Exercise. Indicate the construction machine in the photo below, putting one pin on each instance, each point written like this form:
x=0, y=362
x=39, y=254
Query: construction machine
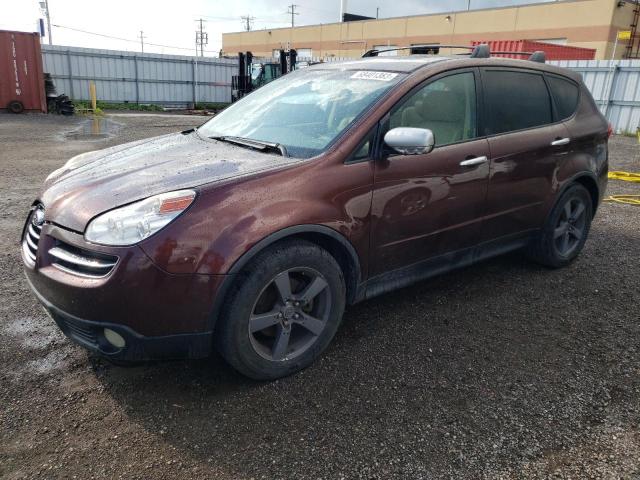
x=252, y=75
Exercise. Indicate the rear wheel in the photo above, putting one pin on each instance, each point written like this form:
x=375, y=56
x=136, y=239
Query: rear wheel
x=566, y=229
x=283, y=312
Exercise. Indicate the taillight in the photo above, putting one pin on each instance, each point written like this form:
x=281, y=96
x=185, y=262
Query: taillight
x=609, y=131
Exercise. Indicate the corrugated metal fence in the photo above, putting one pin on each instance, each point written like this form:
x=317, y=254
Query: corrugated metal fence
x=615, y=86
x=169, y=79
x=127, y=77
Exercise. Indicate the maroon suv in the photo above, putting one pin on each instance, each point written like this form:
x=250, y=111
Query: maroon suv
x=326, y=187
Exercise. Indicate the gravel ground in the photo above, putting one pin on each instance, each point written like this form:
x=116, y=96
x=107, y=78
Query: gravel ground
x=501, y=370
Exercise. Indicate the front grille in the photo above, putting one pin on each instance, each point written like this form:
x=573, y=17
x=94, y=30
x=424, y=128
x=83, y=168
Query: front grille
x=32, y=235
x=81, y=262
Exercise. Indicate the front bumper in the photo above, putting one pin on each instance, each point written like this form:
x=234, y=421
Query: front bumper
x=159, y=315
x=90, y=335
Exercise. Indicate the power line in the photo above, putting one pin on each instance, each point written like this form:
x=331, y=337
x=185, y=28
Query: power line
x=45, y=6
x=292, y=11
x=202, y=37
x=247, y=20
x=141, y=37
x=120, y=38
x=209, y=17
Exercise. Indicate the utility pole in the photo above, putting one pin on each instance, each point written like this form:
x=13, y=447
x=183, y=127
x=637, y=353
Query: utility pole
x=202, y=37
x=247, y=20
x=141, y=37
x=45, y=7
x=292, y=11
x=377, y=12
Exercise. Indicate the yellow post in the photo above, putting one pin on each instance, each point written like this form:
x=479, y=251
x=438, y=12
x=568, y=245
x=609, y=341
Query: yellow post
x=92, y=94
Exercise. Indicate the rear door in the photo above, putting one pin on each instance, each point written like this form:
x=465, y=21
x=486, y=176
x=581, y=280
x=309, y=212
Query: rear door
x=431, y=204
x=527, y=147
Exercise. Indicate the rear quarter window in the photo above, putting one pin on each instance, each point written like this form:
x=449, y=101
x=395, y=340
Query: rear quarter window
x=515, y=101
x=565, y=95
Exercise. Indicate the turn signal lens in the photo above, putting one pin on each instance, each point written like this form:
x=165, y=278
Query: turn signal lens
x=175, y=204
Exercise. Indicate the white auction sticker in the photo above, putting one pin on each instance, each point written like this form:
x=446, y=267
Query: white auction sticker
x=369, y=75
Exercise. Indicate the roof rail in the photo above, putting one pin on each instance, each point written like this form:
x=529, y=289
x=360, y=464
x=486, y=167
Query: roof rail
x=481, y=51
x=538, y=56
x=374, y=52
x=478, y=51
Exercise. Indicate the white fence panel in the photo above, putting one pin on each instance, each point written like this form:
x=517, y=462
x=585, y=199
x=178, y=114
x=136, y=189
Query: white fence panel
x=146, y=78
x=127, y=77
x=615, y=86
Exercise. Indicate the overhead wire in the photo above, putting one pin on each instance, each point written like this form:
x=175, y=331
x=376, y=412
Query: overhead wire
x=120, y=38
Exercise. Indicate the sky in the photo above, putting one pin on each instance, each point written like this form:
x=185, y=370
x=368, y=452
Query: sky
x=169, y=26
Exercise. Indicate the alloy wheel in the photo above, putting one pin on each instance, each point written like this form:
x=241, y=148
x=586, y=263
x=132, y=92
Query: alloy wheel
x=570, y=227
x=289, y=314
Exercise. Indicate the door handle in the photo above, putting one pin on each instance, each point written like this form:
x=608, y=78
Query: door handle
x=560, y=141
x=471, y=162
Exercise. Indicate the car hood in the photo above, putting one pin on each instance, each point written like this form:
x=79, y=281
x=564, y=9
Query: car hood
x=105, y=179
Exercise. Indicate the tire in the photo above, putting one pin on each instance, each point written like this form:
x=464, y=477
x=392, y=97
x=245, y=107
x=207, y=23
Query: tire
x=567, y=225
x=15, y=106
x=299, y=320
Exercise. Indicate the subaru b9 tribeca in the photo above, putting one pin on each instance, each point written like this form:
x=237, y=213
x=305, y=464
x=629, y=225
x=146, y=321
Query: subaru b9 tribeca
x=333, y=184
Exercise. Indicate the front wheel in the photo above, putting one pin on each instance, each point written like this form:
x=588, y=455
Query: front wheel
x=566, y=230
x=283, y=312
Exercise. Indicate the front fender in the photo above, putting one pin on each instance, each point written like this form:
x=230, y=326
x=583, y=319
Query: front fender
x=227, y=221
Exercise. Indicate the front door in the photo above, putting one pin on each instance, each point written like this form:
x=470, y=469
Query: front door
x=431, y=204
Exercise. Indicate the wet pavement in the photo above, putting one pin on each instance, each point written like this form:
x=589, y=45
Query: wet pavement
x=501, y=370
x=96, y=127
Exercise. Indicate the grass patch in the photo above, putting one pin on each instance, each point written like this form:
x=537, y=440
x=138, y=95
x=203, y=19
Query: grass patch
x=216, y=106
x=83, y=104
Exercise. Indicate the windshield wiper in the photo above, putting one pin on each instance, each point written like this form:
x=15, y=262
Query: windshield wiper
x=256, y=144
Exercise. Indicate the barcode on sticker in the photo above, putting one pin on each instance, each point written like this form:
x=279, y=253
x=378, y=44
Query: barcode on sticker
x=369, y=75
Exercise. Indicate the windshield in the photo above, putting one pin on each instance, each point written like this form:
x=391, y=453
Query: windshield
x=303, y=111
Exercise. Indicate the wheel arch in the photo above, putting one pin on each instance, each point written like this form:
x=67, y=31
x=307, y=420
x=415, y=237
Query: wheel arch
x=590, y=183
x=325, y=237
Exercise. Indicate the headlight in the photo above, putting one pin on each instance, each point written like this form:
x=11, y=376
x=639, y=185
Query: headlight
x=133, y=223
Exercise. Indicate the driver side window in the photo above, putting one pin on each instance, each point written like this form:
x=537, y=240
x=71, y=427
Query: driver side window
x=446, y=106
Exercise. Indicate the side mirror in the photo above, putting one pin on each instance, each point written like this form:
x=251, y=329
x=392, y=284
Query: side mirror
x=410, y=141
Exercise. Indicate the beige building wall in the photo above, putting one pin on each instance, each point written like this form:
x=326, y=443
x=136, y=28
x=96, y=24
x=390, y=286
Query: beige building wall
x=583, y=23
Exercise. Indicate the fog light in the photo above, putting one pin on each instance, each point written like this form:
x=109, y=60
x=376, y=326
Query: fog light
x=114, y=338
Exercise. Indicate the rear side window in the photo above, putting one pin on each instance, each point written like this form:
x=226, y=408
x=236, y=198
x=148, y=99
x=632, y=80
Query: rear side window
x=515, y=101
x=565, y=95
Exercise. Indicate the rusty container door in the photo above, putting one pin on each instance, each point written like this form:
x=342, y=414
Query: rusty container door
x=552, y=51
x=21, y=78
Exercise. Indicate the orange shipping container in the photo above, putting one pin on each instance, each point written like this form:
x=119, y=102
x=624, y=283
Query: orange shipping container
x=21, y=78
x=552, y=51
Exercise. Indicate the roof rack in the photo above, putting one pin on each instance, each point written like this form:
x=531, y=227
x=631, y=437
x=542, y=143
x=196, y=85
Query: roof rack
x=374, y=52
x=478, y=51
x=537, y=56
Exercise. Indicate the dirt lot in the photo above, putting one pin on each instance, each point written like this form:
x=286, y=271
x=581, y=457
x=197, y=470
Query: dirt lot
x=502, y=370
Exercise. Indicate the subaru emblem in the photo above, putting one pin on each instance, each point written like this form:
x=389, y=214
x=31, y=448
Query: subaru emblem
x=38, y=218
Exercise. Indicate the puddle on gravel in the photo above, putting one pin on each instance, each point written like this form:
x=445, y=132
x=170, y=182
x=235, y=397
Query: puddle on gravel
x=95, y=128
